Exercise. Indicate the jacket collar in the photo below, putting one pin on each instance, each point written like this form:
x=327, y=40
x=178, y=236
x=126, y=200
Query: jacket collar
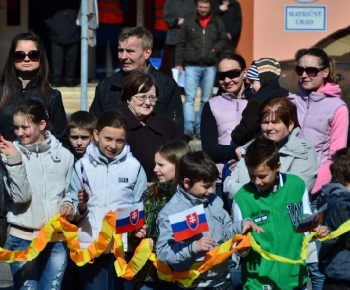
x=193, y=201
x=94, y=155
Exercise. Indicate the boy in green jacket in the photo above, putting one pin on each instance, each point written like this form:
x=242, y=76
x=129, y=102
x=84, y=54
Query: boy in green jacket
x=276, y=202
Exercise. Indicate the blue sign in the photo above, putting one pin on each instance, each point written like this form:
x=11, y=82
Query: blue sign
x=305, y=18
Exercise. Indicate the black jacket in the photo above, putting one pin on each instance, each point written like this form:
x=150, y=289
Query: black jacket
x=108, y=93
x=195, y=47
x=249, y=126
x=55, y=109
x=334, y=255
x=145, y=140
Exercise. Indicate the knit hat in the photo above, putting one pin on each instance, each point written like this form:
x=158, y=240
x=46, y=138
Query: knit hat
x=252, y=73
x=269, y=69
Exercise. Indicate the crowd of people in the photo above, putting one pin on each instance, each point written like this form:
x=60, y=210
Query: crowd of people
x=270, y=159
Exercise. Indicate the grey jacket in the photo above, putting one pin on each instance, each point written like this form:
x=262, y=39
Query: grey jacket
x=181, y=255
x=173, y=10
x=297, y=157
x=38, y=182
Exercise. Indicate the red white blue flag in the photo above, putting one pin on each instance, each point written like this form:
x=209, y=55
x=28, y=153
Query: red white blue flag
x=311, y=222
x=130, y=219
x=188, y=223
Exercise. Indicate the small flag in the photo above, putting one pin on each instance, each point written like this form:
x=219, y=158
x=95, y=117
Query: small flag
x=130, y=219
x=85, y=181
x=311, y=222
x=188, y=223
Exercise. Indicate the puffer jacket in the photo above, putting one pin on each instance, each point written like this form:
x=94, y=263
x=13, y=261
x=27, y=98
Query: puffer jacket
x=195, y=45
x=115, y=184
x=334, y=256
x=181, y=255
x=297, y=156
x=55, y=109
x=38, y=182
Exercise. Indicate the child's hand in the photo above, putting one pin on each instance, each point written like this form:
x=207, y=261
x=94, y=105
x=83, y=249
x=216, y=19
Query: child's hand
x=204, y=244
x=322, y=231
x=140, y=233
x=83, y=198
x=66, y=210
x=7, y=147
x=249, y=226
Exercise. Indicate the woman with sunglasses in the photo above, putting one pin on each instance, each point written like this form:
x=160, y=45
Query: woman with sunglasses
x=323, y=119
x=26, y=76
x=147, y=130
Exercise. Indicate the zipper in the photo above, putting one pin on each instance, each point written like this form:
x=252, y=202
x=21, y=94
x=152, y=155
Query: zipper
x=203, y=43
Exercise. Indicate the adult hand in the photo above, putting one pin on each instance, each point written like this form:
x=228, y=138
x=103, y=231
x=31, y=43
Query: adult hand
x=180, y=68
x=180, y=21
x=66, y=210
x=238, y=152
x=224, y=6
x=204, y=244
x=233, y=165
x=83, y=198
x=229, y=36
x=249, y=226
x=7, y=147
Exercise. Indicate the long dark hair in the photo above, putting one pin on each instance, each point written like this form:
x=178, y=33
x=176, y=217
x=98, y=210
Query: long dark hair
x=9, y=75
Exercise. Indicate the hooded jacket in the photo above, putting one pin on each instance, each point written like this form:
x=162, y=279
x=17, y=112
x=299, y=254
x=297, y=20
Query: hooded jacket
x=181, y=255
x=115, y=184
x=324, y=121
x=334, y=256
x=38, y=182
x=297, y=156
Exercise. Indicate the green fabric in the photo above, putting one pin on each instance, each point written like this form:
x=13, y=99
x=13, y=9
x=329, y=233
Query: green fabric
x=278, y=213
x=152, y=207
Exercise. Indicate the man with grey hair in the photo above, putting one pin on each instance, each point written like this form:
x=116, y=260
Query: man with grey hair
x=134, y=50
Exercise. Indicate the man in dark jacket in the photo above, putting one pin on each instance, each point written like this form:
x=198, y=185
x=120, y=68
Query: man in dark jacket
x=201, y=38
x=134, y=50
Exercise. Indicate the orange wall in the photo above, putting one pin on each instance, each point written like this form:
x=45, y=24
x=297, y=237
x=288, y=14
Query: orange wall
x=263, y=33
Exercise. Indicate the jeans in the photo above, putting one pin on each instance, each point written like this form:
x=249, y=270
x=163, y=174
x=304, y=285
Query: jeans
x=236, y=274
x=317, y=278
x=45, y=271
x=101, y=275
x=195, y=75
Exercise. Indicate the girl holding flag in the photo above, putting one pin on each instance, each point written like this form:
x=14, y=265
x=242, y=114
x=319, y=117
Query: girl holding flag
x=106, y=178
x=39, y=172
x=154, y=199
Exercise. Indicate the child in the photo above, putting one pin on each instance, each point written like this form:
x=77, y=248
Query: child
x=116, y=181
x=334, y=256
x=196, y=176
x=276, y=202
x=154, y=199
x=39, y=173
x=80, y=126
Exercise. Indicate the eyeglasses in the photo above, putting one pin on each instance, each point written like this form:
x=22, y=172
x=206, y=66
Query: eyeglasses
x=310, y=70
x=143, y=98
x=231, y=74
x=19, y=56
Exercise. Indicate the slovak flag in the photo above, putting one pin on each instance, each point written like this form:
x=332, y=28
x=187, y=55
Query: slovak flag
x=188, y=223
x=85, y=181
x=311, y=222
x=130, y=219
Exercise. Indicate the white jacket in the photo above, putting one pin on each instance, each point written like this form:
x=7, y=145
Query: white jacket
x=38, y=182
x=114, y=184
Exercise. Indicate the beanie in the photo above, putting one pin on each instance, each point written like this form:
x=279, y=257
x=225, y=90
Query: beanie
x=252, y=73
x=268, y=68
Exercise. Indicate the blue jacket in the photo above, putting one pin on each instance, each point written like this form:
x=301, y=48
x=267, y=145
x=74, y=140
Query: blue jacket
x=181, y=255
x=114, y=184
x=334, y=256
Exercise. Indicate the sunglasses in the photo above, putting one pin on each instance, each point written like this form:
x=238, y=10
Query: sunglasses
x=310, y=70
x=33, y=55
x=231, y=74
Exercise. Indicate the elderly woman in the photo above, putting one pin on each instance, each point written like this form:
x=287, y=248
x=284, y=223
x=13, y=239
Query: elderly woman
x=278, y=119
x=147, y=130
